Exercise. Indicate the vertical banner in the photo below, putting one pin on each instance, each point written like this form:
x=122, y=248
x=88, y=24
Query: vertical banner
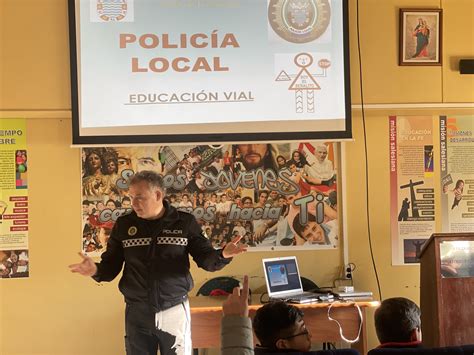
x=276, y=196
x=457, y=173
x=412, y=208
x=14, y=260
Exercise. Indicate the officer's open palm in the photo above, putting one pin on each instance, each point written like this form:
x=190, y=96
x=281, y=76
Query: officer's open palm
x=87, y=267
x=234, y=248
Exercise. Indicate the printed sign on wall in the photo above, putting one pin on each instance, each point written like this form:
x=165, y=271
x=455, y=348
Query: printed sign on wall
x=412, y=193
x=276, y=196
x=14, y=259
x=457, y=173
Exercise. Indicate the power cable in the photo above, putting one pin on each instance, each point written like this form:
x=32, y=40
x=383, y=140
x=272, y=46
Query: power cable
x=366, y=155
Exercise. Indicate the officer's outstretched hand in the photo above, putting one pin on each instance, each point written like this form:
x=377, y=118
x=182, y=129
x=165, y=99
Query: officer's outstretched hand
x=87, y=267
x=234, y=248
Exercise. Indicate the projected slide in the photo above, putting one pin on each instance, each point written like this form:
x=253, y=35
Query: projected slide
x=173, y=67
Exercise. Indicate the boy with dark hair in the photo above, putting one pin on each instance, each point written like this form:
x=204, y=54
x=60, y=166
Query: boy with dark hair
x=280, y=327
x=398, y=323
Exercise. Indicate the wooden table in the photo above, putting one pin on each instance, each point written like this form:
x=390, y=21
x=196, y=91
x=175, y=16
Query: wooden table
x=206, y=314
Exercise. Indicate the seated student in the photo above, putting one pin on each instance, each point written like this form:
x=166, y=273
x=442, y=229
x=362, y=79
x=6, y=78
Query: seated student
x=398, y=323
x=280, y=327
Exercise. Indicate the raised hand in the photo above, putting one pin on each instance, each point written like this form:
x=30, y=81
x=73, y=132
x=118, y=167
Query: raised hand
x=234, y=248
x=237, y=302
x=86, y=268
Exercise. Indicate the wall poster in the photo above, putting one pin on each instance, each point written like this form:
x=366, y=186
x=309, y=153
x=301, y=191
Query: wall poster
x=412, y=197
x=14, y=259
x=457, y=173
x=277, y=196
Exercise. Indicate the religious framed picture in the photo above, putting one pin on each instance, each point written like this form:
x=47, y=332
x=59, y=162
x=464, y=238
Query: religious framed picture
x=420, y=37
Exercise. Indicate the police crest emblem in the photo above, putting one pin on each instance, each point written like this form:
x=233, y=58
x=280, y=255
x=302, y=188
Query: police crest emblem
x=112, y=10
x=132, y=231
x=299, y=21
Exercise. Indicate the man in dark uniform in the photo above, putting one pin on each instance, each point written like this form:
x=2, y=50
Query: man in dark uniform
x=154, y=242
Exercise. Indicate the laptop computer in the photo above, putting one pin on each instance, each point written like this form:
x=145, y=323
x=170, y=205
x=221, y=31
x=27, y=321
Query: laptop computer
x=283, y=281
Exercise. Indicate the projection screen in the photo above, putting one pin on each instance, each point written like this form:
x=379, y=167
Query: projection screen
x=182, y=71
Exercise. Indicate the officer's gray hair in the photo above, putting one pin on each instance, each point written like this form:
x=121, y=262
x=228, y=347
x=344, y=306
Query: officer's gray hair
x=154, y=180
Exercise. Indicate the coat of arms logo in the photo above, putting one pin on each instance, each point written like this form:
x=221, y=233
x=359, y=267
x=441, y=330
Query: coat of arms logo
x=112, y=10
x=299, y=21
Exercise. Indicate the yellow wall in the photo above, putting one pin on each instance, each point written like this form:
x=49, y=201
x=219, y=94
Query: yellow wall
x=55, y=312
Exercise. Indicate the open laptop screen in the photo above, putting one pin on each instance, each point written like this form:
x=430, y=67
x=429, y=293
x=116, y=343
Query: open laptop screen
x=282, y=276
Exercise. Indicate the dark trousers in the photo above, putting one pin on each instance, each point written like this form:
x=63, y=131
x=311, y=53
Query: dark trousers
x=147, y=331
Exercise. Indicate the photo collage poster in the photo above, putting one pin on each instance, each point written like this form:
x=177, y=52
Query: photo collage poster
x=412, y=190
x=14, y=250
x=276, y=196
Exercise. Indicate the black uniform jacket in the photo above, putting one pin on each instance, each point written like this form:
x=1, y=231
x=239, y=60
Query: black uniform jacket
x=155, y=253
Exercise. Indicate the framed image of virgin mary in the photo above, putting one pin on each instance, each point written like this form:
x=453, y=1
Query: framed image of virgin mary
x=420, y=37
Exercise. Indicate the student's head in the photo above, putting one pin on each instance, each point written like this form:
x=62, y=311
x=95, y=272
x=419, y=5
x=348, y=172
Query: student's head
x=398, y=320
x=146, y=192
x=279, y=325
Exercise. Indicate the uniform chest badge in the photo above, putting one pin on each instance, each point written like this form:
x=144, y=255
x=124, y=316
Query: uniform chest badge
x=299, y=21
x=132, y=231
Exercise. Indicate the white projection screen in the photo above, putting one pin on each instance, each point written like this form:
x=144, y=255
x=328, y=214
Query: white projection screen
x=185, y=71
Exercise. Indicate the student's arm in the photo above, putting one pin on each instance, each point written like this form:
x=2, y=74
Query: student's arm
x=236, y=329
